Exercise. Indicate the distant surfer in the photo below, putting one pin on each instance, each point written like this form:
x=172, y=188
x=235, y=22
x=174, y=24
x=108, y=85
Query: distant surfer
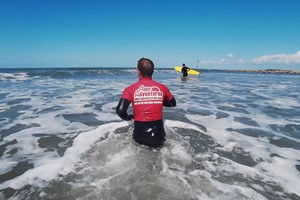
x=148, y=98
x=184, y=70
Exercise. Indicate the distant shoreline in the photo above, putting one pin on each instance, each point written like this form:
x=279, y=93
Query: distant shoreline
x=265, y=71
x=269, y=71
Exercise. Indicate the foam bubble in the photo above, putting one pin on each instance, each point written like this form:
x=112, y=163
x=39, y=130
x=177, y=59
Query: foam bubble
x=48, y=168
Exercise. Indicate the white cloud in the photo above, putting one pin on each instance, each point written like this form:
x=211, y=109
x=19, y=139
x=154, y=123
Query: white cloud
x=212, y=62
x=221, y=61
x=229, y=61
x=208, y=62
x=230, y=55
x=278, y=59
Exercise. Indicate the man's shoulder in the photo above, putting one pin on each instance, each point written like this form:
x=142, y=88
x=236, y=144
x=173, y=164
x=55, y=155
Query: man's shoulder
x=156, y=82
x=133, y=85
x=160, y=85
x=149, y=82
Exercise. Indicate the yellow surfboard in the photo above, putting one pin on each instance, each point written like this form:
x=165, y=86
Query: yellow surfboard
x=192, y=72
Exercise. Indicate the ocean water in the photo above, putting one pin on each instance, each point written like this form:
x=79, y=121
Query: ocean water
x=231, y=136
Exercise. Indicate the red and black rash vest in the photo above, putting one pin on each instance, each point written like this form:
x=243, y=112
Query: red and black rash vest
x=147, y=97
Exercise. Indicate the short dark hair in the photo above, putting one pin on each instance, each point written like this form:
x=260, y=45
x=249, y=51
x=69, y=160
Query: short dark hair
x=146, y=67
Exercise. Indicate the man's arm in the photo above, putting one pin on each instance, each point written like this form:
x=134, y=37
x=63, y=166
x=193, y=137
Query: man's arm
x=121, y=109
x=171, y=103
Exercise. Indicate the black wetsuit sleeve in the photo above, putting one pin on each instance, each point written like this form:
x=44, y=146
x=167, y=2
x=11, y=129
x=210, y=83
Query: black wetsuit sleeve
x=171, y=103
x=121, y=109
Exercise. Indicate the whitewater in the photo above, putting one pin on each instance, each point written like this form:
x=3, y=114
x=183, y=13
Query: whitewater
x=231, y=136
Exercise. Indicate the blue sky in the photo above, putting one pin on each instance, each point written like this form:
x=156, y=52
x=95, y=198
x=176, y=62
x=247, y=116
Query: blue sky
x=216, y=34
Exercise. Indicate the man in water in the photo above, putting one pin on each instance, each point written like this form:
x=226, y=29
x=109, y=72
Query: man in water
x=148, y=98
x=184, y=70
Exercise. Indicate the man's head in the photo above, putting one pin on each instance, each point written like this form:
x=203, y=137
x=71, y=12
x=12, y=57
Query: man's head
x=146, y=67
